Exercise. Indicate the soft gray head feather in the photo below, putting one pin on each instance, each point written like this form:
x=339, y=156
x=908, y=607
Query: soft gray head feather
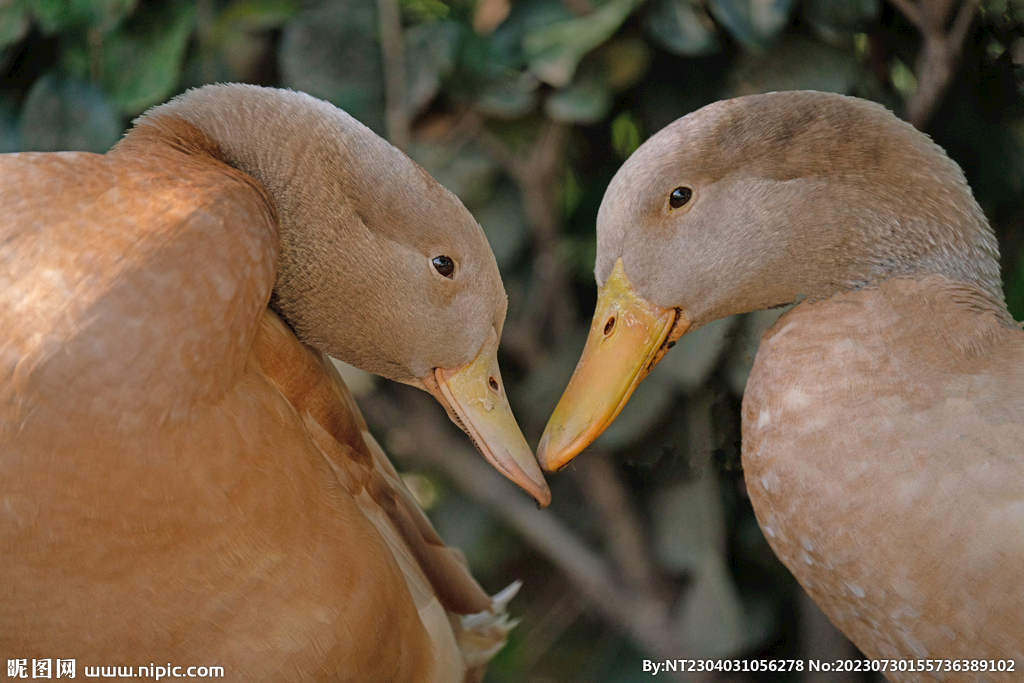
x=794, y=194
x=359, y=225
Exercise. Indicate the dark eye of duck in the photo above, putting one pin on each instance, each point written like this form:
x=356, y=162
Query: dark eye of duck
x=679, y=197
x=443, y=265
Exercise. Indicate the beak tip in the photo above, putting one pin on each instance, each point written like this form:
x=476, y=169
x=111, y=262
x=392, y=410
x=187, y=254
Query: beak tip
x=542, y=453
x=533, y=483
x=552, y=458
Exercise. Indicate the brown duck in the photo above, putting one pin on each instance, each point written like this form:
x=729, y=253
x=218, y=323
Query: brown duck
x=184, y=477
x=883, y=420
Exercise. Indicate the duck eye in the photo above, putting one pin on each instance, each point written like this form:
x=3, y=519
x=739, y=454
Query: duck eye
x=443, y=265
x=679, y=197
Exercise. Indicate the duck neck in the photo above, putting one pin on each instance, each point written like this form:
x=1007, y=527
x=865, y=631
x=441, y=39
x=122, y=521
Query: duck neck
x=823, y=236
x=325, y=174
x=305, y=152
x=943, y=234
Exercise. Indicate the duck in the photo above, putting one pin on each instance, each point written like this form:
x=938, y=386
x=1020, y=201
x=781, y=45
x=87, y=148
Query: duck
x=883, y=418
x=185, y=478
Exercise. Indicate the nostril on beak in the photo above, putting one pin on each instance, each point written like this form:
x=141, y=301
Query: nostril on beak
x=609, y=326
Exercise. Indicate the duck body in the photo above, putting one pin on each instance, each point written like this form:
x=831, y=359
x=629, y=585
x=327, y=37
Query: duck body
x=182, y=479
x=883, y=419
x=882, y=455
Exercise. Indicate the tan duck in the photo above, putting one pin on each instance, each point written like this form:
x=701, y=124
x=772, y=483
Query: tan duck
x=184, y=478
x=883, y=420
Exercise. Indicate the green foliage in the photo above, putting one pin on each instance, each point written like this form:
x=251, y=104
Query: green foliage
x=62, y=112
x=14, y=23
x=318, y=53
x=752, y=22
x=585, y=101
x=424, y=10
x=835, y=18
x=142, y=60
x=625, y=135
x=682, y=27
x=66, y=16
x=555, y=50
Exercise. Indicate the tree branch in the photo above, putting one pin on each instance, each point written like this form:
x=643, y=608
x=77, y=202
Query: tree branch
x=940, y=51
x=392, y=50
x=536, y=173
x=437, y=445
x=620, y=520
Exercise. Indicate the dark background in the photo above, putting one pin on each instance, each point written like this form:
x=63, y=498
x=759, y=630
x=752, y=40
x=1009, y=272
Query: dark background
x=525, y=110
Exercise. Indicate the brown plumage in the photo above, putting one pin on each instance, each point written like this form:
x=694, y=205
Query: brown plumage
x=883, y=420
x=182, y=479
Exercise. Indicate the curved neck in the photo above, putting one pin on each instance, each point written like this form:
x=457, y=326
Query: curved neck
x=871, y=233
x=305, y=152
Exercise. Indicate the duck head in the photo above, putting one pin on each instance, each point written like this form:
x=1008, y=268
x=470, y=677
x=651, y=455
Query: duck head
x=379, y=265
x=752, y=203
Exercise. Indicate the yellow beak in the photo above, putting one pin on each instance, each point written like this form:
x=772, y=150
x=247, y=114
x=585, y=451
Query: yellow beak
x=628, y=337
x=475, y=399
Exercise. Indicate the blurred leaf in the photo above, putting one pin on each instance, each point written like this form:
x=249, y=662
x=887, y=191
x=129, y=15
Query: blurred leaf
x=1011, y=9
x=555, y=50
x=249, y=15
x=423, y=488
x=696, y=354
x=142, y=60
x=795, y=63
x=752, y=22
x=584, y=102
x=241, y=40
x=510, y=97
x=424, y=11
x=501, y=54
x=902, y=78
x=14, y=23
x=517, y=135
x=317, y=53
x=682, y=27
x=63, y=113
x=237, y=44
x=625, y=61
x=58, y=16
x=832, y=18
x=571, y=193
x=625, y=135
x=429, y=56
x=504, y=224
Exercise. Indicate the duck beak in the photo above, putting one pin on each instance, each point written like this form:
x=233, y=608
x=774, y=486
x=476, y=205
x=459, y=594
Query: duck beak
x=475, y=399
x=628, y=337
